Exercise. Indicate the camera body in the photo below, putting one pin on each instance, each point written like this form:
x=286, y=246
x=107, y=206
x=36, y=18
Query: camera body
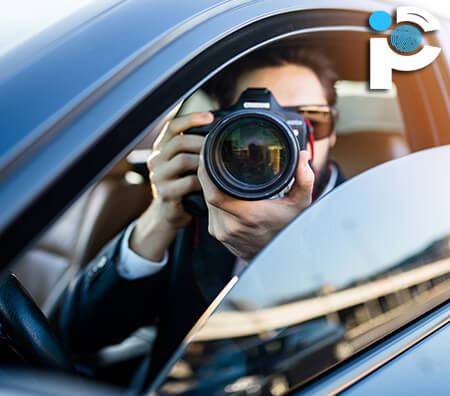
x=251, y=149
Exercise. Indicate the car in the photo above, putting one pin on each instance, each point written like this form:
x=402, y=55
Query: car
x=82, y=101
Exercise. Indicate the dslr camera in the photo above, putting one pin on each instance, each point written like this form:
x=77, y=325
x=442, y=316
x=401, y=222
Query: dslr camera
x=251, y=149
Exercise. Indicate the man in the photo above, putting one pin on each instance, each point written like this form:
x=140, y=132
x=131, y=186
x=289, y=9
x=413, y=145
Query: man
x=167, y=267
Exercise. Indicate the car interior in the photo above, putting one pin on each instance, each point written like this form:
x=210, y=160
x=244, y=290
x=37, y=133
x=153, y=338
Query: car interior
x=372, y=128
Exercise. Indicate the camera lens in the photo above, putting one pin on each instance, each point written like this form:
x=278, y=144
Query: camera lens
x=253, y=151
x=251, y=154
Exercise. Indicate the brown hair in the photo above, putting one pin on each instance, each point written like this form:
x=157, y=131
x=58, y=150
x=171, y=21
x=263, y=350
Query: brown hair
x=222, y=86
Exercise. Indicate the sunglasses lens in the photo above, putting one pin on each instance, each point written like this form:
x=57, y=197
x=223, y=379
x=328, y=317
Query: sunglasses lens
x=321, y=129
x=321, y=121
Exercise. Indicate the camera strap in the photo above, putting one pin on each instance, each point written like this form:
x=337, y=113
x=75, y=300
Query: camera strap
x=311, y=142
x=310, y=139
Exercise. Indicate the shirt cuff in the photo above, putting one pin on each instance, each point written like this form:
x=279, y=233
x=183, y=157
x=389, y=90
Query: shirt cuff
x=131, y=265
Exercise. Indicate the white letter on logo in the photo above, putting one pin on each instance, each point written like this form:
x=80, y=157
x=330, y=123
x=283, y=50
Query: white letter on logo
x=383, y=60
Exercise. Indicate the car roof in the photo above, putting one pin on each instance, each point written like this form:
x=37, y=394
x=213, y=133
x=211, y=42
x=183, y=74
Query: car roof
x=23, y=20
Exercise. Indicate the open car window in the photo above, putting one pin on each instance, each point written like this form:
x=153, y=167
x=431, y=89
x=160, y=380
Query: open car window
x=357, y=265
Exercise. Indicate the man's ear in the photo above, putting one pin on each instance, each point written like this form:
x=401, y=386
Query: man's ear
x=332, y=139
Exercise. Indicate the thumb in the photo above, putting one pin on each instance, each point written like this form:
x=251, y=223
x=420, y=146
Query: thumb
x=302, y=188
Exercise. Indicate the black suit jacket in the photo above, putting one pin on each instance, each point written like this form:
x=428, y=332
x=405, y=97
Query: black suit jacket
x=102, y=308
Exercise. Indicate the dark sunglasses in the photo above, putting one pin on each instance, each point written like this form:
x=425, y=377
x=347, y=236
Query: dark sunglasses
x=321, y=117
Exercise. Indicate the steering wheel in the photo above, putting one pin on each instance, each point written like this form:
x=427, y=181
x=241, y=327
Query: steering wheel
x=27, y=330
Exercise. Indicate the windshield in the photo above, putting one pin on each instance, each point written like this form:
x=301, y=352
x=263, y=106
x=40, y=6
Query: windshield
x=367, y=258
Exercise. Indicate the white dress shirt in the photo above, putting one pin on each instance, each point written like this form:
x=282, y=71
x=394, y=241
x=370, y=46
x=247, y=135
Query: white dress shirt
x=131, y=265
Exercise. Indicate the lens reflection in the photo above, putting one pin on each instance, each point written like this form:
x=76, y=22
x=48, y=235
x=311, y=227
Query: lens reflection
x=253, y=150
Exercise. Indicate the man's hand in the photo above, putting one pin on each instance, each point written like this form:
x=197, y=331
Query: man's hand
x=245, y=227
x=174, y=155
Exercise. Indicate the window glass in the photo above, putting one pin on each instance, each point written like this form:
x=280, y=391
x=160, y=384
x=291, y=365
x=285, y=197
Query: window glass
x=362, y=261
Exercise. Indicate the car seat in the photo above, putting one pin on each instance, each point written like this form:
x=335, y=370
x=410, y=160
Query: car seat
x=46, y=269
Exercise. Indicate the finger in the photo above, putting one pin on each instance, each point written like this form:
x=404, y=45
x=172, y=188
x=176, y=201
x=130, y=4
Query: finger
x=301, y=191
x=181, y=124
x=177, y=166
x=182, y=144
x=173, y=190
x=212, y=194
x=217, y=198
x=178, y=144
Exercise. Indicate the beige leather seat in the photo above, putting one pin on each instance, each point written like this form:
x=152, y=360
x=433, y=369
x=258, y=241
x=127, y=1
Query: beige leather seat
x=358, y=151
x=45, y=263
x=370, y=128
x=47, y=268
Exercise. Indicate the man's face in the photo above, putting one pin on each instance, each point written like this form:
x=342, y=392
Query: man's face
x=291, y=85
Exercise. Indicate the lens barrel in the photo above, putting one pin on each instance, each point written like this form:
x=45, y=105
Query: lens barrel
x=251, y=154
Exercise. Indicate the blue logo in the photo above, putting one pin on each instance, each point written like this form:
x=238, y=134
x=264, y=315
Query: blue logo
x=406, y=38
